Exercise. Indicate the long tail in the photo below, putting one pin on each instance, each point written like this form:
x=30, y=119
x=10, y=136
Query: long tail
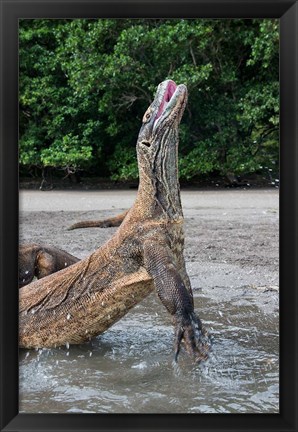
x=103, y=223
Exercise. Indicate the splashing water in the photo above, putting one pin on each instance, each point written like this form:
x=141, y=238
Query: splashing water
x=130, y=368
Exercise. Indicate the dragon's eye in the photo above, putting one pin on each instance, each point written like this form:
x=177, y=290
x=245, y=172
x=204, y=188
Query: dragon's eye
x=147, y=116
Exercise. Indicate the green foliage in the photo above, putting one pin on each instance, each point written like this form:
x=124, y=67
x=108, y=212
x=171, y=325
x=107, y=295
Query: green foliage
x=123, y=164
x=66, y=153
x=85, y=84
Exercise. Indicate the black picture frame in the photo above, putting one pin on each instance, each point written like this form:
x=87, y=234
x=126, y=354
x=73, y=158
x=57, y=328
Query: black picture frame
x=11, y=11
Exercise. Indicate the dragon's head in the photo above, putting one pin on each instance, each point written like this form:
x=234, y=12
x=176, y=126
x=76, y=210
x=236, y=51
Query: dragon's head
x=157, y=147
x=164, y=113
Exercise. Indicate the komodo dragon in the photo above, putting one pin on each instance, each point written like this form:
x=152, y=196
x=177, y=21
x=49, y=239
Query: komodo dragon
x=85, y=299
x=41, y=260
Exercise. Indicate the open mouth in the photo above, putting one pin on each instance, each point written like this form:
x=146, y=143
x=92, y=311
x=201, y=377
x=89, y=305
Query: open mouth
x=170, y=90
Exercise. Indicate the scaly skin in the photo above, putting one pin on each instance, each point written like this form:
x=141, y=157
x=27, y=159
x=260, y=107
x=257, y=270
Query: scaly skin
x=146, y=253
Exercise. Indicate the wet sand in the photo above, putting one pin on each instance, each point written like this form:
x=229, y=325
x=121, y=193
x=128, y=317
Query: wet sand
x=231, y=235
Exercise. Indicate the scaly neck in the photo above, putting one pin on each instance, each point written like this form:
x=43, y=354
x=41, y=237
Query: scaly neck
x=159, y=187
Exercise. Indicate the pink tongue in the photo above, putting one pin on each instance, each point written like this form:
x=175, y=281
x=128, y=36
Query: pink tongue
x=170, y=90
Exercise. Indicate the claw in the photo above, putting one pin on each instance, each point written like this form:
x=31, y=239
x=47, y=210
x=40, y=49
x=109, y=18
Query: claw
x=178, y=339
x=195, y=337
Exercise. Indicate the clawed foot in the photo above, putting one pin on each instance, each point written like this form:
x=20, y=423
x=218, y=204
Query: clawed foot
x=189, y=329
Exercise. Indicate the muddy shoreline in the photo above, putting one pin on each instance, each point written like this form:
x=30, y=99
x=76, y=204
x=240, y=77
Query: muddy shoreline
x=231, y=237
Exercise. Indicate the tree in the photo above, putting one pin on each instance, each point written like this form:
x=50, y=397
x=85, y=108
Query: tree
x=85, y=84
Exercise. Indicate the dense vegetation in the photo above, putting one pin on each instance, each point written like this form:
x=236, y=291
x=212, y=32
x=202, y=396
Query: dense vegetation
x=85, y=84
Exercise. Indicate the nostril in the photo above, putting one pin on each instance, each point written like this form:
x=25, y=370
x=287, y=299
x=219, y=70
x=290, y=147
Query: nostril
x=146, y=143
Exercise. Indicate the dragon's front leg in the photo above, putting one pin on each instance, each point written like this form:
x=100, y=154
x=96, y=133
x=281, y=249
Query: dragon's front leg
x=177, y=299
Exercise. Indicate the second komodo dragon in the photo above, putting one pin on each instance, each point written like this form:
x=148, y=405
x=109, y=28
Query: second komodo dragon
x=146, y=253
x=38, y=260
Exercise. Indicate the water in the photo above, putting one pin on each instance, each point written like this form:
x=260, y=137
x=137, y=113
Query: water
x=130, y=368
